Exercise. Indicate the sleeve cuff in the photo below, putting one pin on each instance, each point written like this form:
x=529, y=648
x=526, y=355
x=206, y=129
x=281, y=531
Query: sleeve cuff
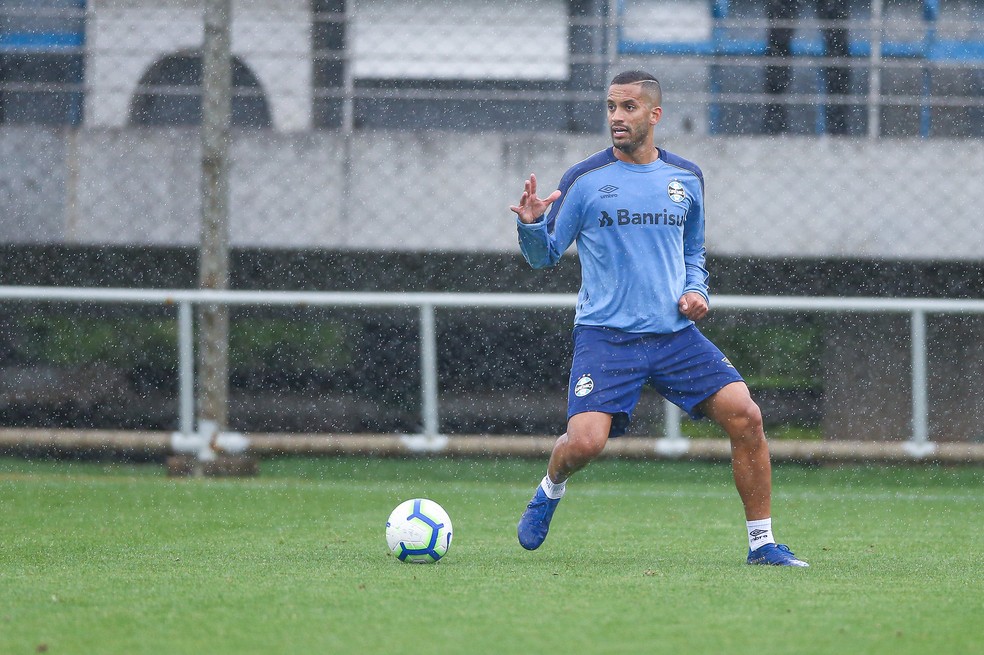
x=700, y=291
x=538, y=223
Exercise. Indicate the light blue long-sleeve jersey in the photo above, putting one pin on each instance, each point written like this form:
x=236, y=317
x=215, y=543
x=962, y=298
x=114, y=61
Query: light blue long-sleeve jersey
x=640, y=239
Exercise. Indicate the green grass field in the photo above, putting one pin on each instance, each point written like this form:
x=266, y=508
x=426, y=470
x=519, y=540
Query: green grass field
x=642, y=558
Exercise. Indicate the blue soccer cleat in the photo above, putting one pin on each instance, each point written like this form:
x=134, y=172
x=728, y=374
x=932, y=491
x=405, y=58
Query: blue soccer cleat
x=774, y=555
x=535, y=522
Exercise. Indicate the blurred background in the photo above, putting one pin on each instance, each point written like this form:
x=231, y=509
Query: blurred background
x=376, y=146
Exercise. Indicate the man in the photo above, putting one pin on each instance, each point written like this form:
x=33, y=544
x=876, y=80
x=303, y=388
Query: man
x=637, y=213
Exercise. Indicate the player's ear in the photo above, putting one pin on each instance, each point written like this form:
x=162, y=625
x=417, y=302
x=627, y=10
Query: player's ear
x=656, y=115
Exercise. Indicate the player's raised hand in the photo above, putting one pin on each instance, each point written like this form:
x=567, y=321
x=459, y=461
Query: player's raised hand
x=530, y=207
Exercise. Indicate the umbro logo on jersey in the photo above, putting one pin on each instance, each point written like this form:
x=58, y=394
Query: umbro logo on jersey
x=608, y=188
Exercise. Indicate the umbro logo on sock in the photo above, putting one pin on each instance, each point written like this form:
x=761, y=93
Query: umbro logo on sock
x=758, y=534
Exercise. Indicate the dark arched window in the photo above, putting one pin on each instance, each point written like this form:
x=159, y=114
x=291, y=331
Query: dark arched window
x=170, y=93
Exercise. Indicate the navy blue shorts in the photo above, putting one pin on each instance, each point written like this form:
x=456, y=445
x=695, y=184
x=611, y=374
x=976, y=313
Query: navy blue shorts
x=610, y=368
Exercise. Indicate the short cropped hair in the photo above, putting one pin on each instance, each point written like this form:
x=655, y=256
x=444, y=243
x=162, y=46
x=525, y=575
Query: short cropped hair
x=647, y=80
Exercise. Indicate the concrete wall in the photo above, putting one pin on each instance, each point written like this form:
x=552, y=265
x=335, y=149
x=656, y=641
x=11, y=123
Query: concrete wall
x=34, y=185
x=398, y=190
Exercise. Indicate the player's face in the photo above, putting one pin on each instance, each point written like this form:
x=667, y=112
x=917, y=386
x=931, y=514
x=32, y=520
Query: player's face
x=632, y=114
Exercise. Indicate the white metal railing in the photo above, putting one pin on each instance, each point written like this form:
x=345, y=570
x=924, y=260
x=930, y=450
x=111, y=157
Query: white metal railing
x=918, y=444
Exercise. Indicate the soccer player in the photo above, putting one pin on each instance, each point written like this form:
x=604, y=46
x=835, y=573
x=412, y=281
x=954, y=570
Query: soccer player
x=637, y=214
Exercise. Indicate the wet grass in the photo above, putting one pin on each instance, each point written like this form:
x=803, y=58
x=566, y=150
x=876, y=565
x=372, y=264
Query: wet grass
x=643, y=557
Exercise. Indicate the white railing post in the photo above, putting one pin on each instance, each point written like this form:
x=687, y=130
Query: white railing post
x=673, y=442
x=671, y=421
x=919, y=444
x=186, y=368
x=428, y=371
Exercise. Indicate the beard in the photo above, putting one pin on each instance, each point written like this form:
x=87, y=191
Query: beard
x=629, y=143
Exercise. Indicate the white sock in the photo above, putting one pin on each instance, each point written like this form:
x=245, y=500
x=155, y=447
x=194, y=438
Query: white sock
x=759, y=533
x=552, y=490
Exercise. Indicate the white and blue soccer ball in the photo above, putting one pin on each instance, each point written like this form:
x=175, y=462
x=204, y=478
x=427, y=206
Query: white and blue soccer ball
x=419, y=531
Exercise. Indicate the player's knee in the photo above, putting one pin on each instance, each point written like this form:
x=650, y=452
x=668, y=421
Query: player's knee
x=587, y=434
x=745, y=422
x=752, y=416
x=587, y=445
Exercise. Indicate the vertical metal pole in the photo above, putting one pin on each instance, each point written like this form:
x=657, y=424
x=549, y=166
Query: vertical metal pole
x=428, y=371
x=671, y=421
x=348, y=78
x=931, y=11
x=820, y=113
x=613, y=33
x=186, y=368
x=214, y=247
x=613, y=38
x=920, y=396
x=673, y=443
x=348, y=108
x=874, y=71
x=719, y=13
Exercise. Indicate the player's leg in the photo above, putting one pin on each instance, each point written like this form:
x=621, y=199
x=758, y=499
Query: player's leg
x=694, y=374
x=586, y=436
x=734, y=410
x=605, y=383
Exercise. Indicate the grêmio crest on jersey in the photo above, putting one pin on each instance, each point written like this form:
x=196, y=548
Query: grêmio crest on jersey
x=676, y=191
